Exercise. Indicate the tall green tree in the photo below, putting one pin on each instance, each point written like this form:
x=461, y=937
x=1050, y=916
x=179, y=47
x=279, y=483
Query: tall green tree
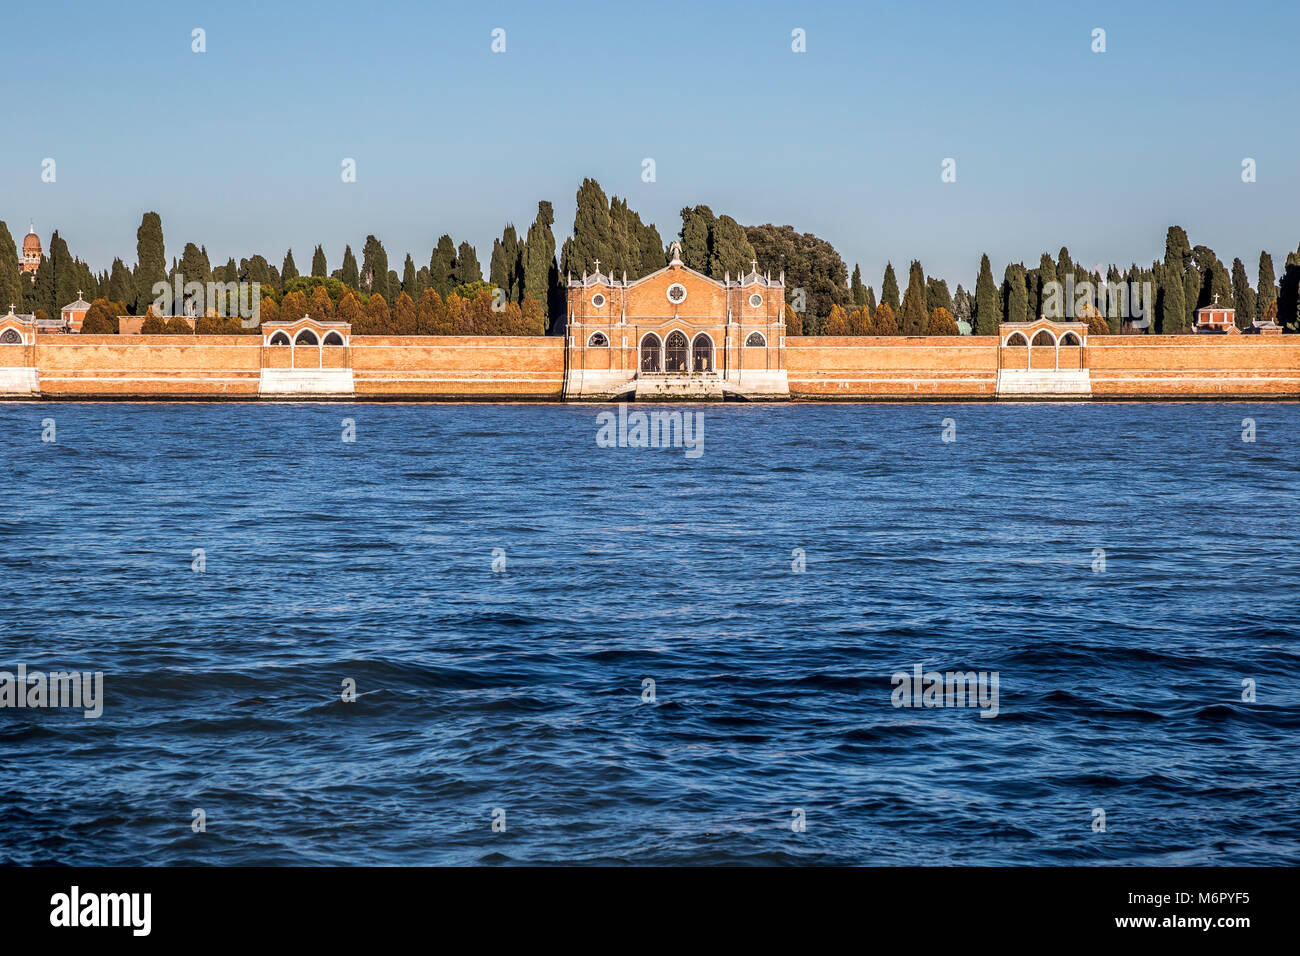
x=1243, y=296
x=374, y=269
x=988, y=307
x=467, y=267
x=889, y=290
x=410, y=280
x=593, y=232
x=937, y=295
x=319, y=267
x=1015, y=294
x=289, y=270
x=11, y=278
x=697, y=223
x=1267, y=280
x=442, y=266
x=121, y=287
x=150, y=258
x=194, y=265
x=856, y=289
x=1047, y=300
x=541, y=274
x=349, y=274
x=506, y=267
x=1171, y=307
x=914, y=320
x=1288, y=294
x=66, y=274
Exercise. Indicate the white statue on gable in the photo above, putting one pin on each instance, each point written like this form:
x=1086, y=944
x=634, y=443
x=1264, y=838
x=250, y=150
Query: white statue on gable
x=675, y=252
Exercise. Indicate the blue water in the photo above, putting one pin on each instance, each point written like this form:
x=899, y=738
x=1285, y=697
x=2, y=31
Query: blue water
x=522, y=689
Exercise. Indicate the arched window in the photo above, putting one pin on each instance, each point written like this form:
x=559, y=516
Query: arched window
x=702, y=354
x=598, y=341
x=675, y=353
x=11, y=337
x=1044, y=337
x=279, y=339
x=333, y=338
x=1069, y=338
x=651, y=357
x=1017, y=341
x=306, y=337
x=755, y=340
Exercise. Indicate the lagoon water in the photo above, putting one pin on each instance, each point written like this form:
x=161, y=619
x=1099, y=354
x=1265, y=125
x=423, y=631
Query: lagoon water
x=521, y=689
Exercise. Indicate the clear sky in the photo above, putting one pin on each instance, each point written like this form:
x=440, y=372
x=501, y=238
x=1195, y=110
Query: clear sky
x=240, y=147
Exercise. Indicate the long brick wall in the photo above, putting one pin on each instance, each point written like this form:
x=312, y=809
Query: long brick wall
x=888, y=367
x=148, y=366
x=458, y=367
x=519, y=368
x=1194, y=366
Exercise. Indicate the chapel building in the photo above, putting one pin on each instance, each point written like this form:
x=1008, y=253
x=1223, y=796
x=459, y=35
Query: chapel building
x=676, y=334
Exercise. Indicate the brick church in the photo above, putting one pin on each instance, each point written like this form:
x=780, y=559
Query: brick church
x=676, y=333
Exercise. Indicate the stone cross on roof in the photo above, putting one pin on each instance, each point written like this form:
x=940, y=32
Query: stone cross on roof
x=1216, y=298
x=753, y=265
x=597, y=267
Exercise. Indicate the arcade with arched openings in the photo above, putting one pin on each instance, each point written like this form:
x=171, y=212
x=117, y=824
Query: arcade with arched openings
x=1043, y=358
x=311, y=344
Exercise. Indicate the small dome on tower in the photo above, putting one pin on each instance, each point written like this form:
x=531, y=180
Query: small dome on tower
x=31, y=243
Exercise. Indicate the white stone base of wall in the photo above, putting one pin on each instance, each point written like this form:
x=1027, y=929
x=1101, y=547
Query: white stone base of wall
x=758, y=386
x=593, y=386
x=679, y=387
x=305, y=383
x=19, y=381
x=1045, y=384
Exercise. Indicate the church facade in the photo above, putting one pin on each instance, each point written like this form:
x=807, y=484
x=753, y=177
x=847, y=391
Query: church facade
x=675, y=334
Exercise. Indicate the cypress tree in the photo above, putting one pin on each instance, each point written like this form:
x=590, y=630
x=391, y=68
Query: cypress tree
x=374, y=268
x=914, y=318
x=889, y=289
x=411, y=279
x=467, y=268
x=539, y=258
x=593, y=235
x=730, y=251
x=289, y=270
x=121, y=288
x=66, y=274
x=988, y=308
x=11, y=278
x=937, y=296
x=1172, y=307
x=856, y=289
x=194, y=265
x=1243, y=296
x=870, y=304
x=1267, y=280
x=1015, y=294
x=151, y=260
x=697, y=223
x=442, y=266
x=1288, y=294
x=319, y=268
x=1047, y=299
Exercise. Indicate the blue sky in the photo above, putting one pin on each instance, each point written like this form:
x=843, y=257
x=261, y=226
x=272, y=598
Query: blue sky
x=240, y=147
